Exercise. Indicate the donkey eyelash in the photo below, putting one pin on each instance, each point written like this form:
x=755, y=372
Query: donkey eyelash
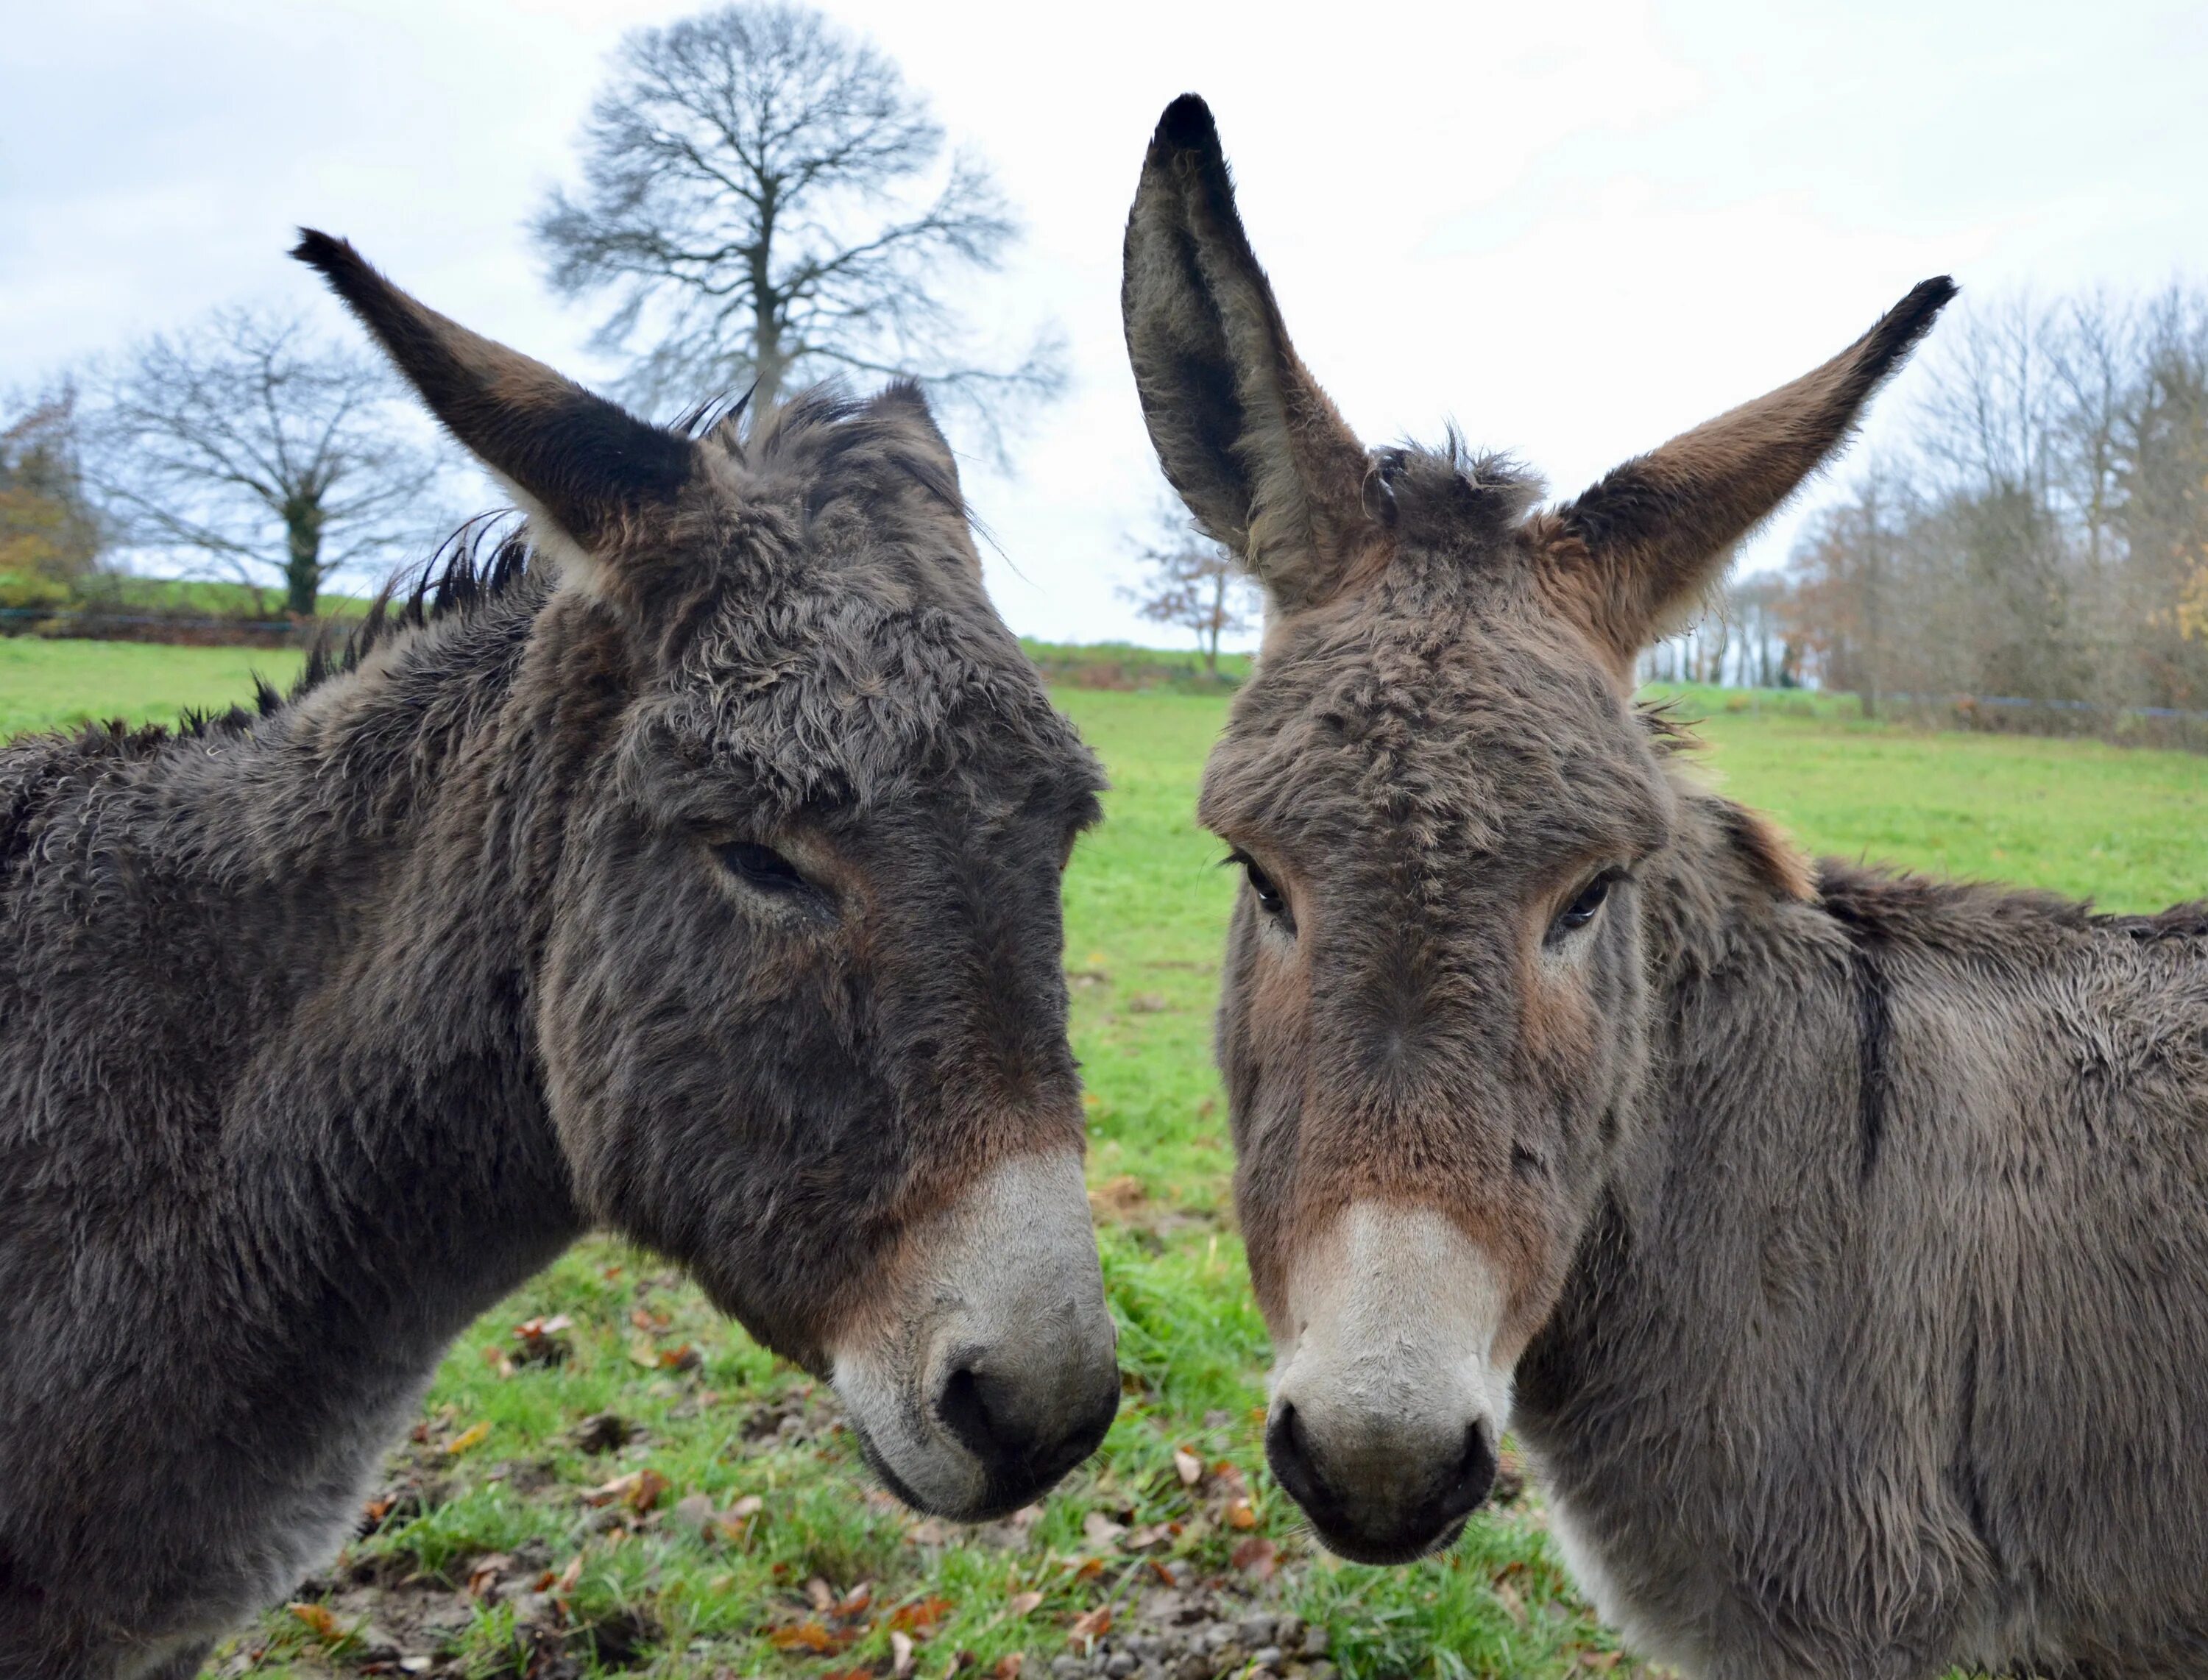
x=1269, y=896
x=1585, y=904
x=767, y=872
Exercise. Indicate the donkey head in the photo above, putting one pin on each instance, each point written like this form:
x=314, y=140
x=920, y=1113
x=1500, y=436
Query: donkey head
x=800, y=1007
x=1435, y=1016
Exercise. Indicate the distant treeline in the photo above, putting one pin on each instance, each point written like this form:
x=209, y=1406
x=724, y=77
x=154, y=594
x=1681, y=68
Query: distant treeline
x=2033, y=554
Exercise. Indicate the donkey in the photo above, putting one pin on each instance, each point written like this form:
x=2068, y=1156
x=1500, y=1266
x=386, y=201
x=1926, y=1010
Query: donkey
x=695, y=875
x=1836, y=1242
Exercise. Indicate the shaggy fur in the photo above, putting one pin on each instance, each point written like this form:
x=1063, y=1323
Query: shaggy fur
x=1856, y=1227
x=327, y=1027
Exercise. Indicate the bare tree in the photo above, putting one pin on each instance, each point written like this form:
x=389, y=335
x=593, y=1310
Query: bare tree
x=1191, y=582
x=267, y=455
x=756, y=202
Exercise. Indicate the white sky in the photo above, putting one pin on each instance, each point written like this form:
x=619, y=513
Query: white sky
x=1573, y=228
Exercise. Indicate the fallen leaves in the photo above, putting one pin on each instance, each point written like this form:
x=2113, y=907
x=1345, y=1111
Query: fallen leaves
x=543, y=1341
x=1099, y=1530
x=1090, y=1626
x=322, y=1621
x=1118, y=1200
x=639, y=1490
x=473, y=1435
x=920, y=1616
x=696, y=1512
x=1188, y=1466
x=813, y=1635
x=1256, y=1555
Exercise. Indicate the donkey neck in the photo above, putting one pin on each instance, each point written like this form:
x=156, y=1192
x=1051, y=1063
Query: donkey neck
x=288, y=967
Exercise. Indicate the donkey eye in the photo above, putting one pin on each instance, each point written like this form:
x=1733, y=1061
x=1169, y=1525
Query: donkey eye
x=762, y=866
x=1270, y=897
x=1581, y=910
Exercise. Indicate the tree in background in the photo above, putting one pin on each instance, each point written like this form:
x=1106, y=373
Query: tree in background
x=2038, y=533
x=756, y=203
x=50, y=534
x=266, y=455
x=1191, y=582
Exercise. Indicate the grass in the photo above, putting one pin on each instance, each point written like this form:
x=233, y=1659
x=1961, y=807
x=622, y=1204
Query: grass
x=744, y=1529
x=2126, y=827
x=54, y=685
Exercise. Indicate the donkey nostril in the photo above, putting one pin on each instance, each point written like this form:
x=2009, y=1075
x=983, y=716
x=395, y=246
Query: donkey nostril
x=963, y=1406
x=1289, y=1452
x=1474, y=1475
x=1025, y=1440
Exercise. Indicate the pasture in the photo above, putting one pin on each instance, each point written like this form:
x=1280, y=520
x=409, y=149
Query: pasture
x=609, y=1478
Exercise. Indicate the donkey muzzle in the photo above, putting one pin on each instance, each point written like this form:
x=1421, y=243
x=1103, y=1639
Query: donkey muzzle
x=990, y=1371
x=1388, y=1411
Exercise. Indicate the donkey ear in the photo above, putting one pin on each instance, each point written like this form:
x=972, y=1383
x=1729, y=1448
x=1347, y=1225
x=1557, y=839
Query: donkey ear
x=1644, y=542
x=582, y=461
x=1244, y=434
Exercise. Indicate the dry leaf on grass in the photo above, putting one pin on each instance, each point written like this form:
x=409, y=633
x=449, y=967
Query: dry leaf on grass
x=812, y=1635
x=900, y=1649
x=1188, y=1466
x=1240, y=1513
x=1024, y=1604
x=1091, y=1624
x=920, y=1616
x=473, y=1435
x=695, y=1512
x=1099, y=1530
x=639, y=1490
x=1258, y=1557
x=542, y=1340
x=320, y=1622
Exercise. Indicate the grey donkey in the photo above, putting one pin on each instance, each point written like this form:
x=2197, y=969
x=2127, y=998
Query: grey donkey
x=1835, y=1241
x=694, y=876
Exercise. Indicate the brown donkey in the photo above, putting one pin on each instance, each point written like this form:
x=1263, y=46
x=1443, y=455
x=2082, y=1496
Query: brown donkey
x=1837, y=1242
x=697, y=877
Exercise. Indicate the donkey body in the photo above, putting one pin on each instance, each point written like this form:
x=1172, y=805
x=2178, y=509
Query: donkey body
x=1836, y=1242
x=696, y=876
x=1883, y=1351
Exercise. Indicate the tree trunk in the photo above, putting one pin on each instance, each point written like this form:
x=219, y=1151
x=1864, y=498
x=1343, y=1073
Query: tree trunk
x=766, y=309
x=303, y=555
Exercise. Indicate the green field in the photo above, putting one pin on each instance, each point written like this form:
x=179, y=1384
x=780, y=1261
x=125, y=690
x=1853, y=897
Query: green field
x=734, y=1533
x=54, y=685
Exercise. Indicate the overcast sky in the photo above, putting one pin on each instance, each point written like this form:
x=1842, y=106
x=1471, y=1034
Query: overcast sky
x=1573, y=229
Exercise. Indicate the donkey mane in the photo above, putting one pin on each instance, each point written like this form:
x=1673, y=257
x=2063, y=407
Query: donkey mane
x=1456, y=493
